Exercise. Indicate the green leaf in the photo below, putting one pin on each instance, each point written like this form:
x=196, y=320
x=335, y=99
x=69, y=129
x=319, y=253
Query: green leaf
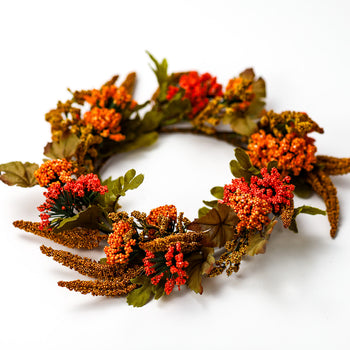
x=135, y=182
x=305, y=209
x=235, y=168
x=151, y=121
x=302, y=189
x=254, y=171
x=203, y=211
x=255, y=108
x=243, y=158
x=257, y=245
x=19, y=174
x=161, y=72
x=177, y=108
x=243, y=126
x=200, y=263
x=158, y=290
x=293, y=226
x=118, y=188
x=217, y=192
x=140, y=141
x=64, y=148
x=129, y=175
x=238, y=171
x=259, y=88
x=92, y=218
x=211, y=204
x=217, y=226
x=142, y=295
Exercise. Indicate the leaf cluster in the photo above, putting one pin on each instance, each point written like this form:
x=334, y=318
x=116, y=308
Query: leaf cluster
x=167, y=112
x=243, y=167
x=118, y=188
x=242, y=121
x=145, y=292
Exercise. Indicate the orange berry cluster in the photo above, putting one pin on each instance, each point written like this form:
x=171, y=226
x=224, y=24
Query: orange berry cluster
x=251, y=210
x=120, y=243
x=106, y=122
x=292, y=153
x=106, y=112
x=54, y=170
x=110, y=94
x=168, y=211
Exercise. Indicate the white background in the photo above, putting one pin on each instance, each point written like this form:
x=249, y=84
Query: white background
x=296, y=296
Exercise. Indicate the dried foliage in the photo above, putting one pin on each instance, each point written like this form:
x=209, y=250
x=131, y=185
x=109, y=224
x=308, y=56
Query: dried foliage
x=75, y=238
x=147, y=255
x=323, y=185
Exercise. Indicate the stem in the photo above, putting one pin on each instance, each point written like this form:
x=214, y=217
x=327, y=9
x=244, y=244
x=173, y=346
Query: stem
x=227, y=136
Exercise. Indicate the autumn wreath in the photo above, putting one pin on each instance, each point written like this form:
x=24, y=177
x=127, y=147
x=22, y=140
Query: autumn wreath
x=148, y=254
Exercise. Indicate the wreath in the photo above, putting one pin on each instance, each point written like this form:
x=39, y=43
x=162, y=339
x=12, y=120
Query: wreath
x=147, y=255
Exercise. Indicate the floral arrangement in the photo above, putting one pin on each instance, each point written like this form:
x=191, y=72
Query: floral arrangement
x=147, y=255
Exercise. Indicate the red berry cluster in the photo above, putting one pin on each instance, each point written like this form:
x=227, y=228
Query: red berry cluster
x=198, y=89
x=171, y=265
x=84, y=185
x=270, y=188
x=253, y=202
x=67, y=200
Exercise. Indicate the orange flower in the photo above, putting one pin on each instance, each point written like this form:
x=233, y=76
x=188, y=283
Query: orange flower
x=54, y=170
x=292, y=153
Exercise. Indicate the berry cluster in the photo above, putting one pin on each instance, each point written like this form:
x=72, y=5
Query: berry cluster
x=170, y=265
x=120, y=243
x=110, y=96
x=199, y=89
x=253, y=202
x=67, y=200
x=106, y=113
x=168, y=211
x=54, y=170
x=293, y=153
